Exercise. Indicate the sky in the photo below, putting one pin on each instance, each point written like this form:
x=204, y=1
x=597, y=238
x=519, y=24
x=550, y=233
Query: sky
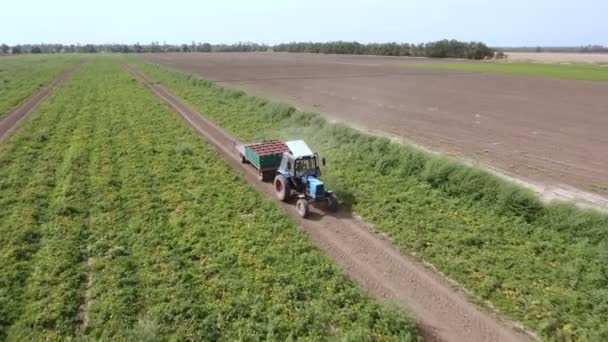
x=497, y=23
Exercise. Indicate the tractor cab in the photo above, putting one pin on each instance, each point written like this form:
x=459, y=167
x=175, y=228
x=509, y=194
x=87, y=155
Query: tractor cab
x=303, y=173
x=299, y=167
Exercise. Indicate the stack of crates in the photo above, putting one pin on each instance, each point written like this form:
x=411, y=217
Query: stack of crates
x=266, y=155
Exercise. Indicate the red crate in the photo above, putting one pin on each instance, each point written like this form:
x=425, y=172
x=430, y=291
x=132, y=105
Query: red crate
x=269, y=147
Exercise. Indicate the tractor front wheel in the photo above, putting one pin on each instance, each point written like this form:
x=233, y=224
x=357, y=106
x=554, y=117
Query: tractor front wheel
x=281, y=188
x=302, y=207
x=332, y=202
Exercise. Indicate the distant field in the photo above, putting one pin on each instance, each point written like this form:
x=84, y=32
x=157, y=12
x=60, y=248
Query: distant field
x=21, y=76
x=561, y=71
x=558, y=57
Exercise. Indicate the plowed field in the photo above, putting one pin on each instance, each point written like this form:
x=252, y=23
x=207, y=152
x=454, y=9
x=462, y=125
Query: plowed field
x=548, y=132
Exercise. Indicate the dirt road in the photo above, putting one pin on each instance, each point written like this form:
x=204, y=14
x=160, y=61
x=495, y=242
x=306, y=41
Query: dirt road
x=443, y=313
x=550, y=133
x=17, y=115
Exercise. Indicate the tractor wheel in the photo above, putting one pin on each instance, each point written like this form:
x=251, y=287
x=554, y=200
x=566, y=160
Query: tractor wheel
x=332, y=203
x=302, y=207
x=281, y=188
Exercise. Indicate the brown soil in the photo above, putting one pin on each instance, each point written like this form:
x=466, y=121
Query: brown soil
x=85, y=307
x=17, y=115
x=552, y=133
x=443, y=313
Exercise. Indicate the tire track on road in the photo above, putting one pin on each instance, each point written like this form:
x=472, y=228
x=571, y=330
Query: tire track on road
x=442, y=312
x=17, y=115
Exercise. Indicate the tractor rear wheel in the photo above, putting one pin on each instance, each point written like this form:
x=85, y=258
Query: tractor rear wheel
x=281, y=188
x=302, y=207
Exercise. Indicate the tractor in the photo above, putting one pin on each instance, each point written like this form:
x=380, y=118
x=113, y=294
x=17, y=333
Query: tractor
x=296, y=172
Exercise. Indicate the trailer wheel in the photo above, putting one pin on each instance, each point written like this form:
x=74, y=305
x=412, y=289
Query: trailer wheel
x=243, y=159
x=281, y=188
x=261, y=176
x=302, y=207
x=332, y=203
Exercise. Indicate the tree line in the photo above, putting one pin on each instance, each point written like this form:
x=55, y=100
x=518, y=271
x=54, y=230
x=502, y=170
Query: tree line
x=131, y=48
x=439, y=49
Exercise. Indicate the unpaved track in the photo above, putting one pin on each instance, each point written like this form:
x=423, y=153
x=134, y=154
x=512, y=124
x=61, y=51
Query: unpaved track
x=443, y=313
x=17, y=115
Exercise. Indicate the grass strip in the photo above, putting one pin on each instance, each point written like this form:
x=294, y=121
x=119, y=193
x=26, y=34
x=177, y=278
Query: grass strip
x=559, y=71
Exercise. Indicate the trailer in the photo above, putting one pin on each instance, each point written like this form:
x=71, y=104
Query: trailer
x=295, y=169
x=265, y=156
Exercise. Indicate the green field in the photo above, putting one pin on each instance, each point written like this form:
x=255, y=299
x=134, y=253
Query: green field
x=561, y=71
x=105, y=183
x=21, y=76
x=543, y=265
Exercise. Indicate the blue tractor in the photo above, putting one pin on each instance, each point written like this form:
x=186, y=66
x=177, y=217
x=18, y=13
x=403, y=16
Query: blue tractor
x=298, y=175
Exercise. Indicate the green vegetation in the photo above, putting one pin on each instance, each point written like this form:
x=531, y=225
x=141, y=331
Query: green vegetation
x=563, y=71
x=544, y=265
x=180, y=247
x=21, y=76
x=439, y=49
